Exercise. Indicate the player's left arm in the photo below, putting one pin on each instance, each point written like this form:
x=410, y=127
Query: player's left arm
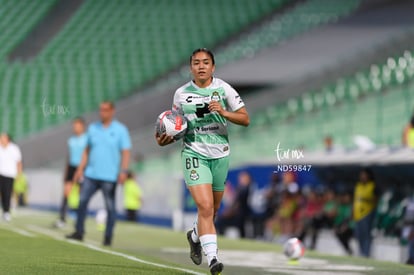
x=240, y=116
x=19, y=162
x=19, y=167
x=235, y=111
x=125, y=155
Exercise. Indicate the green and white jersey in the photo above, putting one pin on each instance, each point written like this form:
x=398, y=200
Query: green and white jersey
x=207, y=131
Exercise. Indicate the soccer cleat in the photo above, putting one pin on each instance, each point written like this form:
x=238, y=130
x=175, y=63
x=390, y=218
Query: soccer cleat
x=75, y=236
x=107, y=241
x=59, y=224
x=195, y=249
x=216, y=267
x=7, y=217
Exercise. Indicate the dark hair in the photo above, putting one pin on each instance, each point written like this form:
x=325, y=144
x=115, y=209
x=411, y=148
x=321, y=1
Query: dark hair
x=368, y=171
x=412, y=121
x=8, y=135
x=110, y=103
x=79, y=119
x=204, y=50
x=130, y=174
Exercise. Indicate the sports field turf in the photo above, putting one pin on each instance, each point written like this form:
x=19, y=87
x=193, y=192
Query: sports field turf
x=29, y=245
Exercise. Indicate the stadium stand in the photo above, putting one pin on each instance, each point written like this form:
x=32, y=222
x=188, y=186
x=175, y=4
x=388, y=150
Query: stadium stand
x=299, y=19
x=106, y=51
x=375, y=103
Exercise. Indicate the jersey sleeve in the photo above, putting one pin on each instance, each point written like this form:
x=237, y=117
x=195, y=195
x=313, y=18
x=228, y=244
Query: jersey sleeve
x=18, y=154
x=125, y=139
x=234, y=101
x=89, y=136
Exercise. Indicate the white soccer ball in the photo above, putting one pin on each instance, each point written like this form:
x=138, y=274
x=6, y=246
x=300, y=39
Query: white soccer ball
x=294, y=249
x=172, y=123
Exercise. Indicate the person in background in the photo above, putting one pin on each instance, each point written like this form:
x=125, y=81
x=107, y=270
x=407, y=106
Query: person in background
x=283, y=222
x=105, y=162
x=10, y=167
x=365, y=202
x=407, y=232
x=237, y=214
x=274, y=194
x=329, y=207
x=328, y=143
x=76, y=144
x=311, y=217
x=257, y=203
x=132, y=198
x=408, y=134
x=343, y=224
x=20, y=188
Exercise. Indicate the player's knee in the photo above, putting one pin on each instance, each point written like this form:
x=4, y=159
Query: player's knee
x=206, y=210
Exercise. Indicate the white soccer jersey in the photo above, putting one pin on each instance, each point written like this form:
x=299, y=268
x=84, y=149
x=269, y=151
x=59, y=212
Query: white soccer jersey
x=207, y=131
x=10, y=156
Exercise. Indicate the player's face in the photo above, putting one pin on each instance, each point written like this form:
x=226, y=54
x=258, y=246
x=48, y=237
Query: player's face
x=78, y=128
x=4, y=139
x=202, y=67
x=106, y=112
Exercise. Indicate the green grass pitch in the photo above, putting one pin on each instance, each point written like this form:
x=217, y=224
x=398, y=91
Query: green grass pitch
x=29, y=245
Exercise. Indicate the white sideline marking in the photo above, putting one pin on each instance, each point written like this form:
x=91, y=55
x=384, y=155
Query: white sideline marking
x=53, y=235
x=19, y=231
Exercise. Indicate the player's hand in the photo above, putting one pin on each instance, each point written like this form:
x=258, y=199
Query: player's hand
x=163, y=139
x=67, y=188
x=215, y=106
x=122, y=177
x=78, y=176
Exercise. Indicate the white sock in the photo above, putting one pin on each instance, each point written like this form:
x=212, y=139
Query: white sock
x=209, y=245
x=194, y=235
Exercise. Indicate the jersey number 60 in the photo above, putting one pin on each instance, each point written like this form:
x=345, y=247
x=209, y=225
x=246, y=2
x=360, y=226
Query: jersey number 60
x=193, y=161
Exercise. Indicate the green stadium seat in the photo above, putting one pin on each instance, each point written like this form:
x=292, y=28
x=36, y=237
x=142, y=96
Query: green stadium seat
x=108, y=49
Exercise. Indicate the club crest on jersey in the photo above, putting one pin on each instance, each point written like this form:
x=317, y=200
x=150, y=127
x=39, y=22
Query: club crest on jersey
x=215, y=96
x=194, y=175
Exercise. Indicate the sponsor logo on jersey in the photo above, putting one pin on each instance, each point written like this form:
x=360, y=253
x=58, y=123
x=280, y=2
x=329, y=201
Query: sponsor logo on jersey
x=207, y=128
x=194, y=175
x=192, y=98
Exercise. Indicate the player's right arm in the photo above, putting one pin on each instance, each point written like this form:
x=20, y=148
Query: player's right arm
x=405, y=135
x=164, y=139
x=65, y=174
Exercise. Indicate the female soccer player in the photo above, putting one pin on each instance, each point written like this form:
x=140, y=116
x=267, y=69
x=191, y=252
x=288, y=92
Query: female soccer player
x=207, y=103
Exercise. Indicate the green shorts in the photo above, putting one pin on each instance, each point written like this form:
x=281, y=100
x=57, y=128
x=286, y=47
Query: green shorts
x=200, y=170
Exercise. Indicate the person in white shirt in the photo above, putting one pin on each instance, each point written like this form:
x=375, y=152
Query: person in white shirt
x=10, y=167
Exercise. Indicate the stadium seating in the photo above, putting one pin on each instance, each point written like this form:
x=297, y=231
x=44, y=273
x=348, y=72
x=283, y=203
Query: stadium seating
x=107, y=49
x=376, y=103
x=348, y=107
x=299, y=19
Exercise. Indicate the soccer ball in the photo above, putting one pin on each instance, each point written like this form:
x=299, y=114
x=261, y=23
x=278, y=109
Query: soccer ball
x=172, y=123
x=294, y=249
